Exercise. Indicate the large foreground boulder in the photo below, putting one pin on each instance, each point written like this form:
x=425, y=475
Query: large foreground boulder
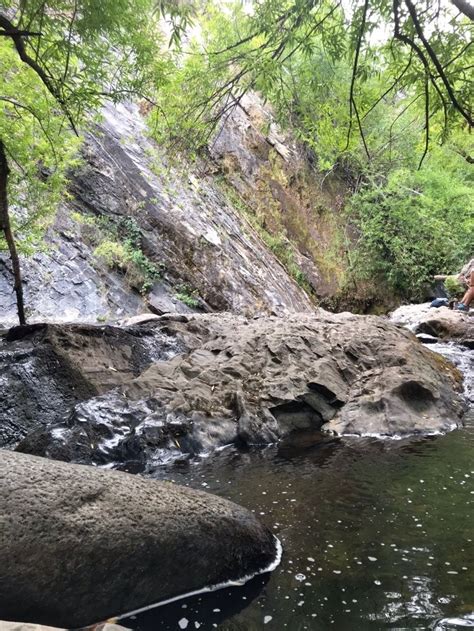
x=253, y=381
x=31, y=626
x=79, y=544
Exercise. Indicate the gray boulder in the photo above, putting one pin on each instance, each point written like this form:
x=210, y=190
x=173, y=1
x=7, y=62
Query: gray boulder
x=442, y=323
x=80, y=545
x=31, y=626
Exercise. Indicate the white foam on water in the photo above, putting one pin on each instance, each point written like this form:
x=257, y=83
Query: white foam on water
x=212, y=588
x=435, y=432
x=466, y=621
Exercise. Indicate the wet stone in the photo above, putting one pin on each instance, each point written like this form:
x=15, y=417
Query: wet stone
x=188, y=384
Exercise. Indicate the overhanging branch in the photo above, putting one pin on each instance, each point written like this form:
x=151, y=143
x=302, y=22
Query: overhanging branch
x=16, y=36
x=437, y=64
x=465, y=7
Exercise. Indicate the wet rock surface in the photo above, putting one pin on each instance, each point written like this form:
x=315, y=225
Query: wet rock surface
x=273, y=174
x=230, y=379
x=46, y=369
x=441, y=323
x=448, y=332
x=80, y=544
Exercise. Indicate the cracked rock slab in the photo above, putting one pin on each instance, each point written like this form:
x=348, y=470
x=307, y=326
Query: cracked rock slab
x=253, y=381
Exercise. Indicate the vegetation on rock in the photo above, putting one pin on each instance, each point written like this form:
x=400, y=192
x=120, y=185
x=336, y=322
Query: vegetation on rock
x=377, y=95
x=59, y=61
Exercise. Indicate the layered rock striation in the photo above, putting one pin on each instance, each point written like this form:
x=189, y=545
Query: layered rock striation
x=182, y=222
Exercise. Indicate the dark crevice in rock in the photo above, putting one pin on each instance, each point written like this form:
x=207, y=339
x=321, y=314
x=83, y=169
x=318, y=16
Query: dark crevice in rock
x=296, y=415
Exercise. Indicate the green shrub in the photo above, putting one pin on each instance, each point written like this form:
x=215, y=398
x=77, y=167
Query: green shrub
x=454, y=287
x=121, y=250
x=114, y=254
x=411, y=226
x=189, y=296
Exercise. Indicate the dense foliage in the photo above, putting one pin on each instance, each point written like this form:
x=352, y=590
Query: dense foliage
x=77, y=55
x=60, y=60
x=414, y=224
x=38, y=145
x=361, y=90
x=377, y=91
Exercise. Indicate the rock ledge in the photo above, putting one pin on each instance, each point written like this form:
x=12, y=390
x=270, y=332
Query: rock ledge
x=228, y=379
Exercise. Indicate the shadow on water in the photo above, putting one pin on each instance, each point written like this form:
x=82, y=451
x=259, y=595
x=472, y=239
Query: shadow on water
x=200, y=612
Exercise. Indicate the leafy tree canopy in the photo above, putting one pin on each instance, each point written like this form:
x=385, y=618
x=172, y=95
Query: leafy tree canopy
x=369, y=52
x=373, y=88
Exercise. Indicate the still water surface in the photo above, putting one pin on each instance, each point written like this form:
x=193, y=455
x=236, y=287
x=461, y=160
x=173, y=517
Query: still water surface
x=376, y=535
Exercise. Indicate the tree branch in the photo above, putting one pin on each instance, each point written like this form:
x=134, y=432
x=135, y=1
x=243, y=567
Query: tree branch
x=354, y=74
x=465, y=7
x=17, y=39
x=10, y=33
x=5, y=226
x=389, y=89
x=427, y=121
x=437, y=64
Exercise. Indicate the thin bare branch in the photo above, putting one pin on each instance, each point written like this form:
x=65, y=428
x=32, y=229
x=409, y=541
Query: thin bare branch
x=354, y=71
x=427, y=120
x=390, y=88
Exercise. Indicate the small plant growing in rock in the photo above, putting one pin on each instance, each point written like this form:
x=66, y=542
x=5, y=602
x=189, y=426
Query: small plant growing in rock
x=190, y=297
x=114, y=254
x=127, y=257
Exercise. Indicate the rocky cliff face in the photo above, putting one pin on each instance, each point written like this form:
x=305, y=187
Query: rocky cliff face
x=296, y=209
x=193, y=248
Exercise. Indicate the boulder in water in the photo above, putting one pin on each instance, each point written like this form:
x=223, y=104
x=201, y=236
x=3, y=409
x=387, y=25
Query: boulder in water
x=80, y=544
x=253, y=381
x=443, y=323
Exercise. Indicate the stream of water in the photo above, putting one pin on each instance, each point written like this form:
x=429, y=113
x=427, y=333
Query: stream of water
x=376, y=534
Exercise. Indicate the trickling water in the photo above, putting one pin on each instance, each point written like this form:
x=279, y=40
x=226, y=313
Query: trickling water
x=376, y=534
x=461, y=357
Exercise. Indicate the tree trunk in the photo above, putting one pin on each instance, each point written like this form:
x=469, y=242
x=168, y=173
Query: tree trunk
x=5, y=226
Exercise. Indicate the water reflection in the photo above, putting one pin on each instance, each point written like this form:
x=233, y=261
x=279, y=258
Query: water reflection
x=203, y=612
x=377, y=534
